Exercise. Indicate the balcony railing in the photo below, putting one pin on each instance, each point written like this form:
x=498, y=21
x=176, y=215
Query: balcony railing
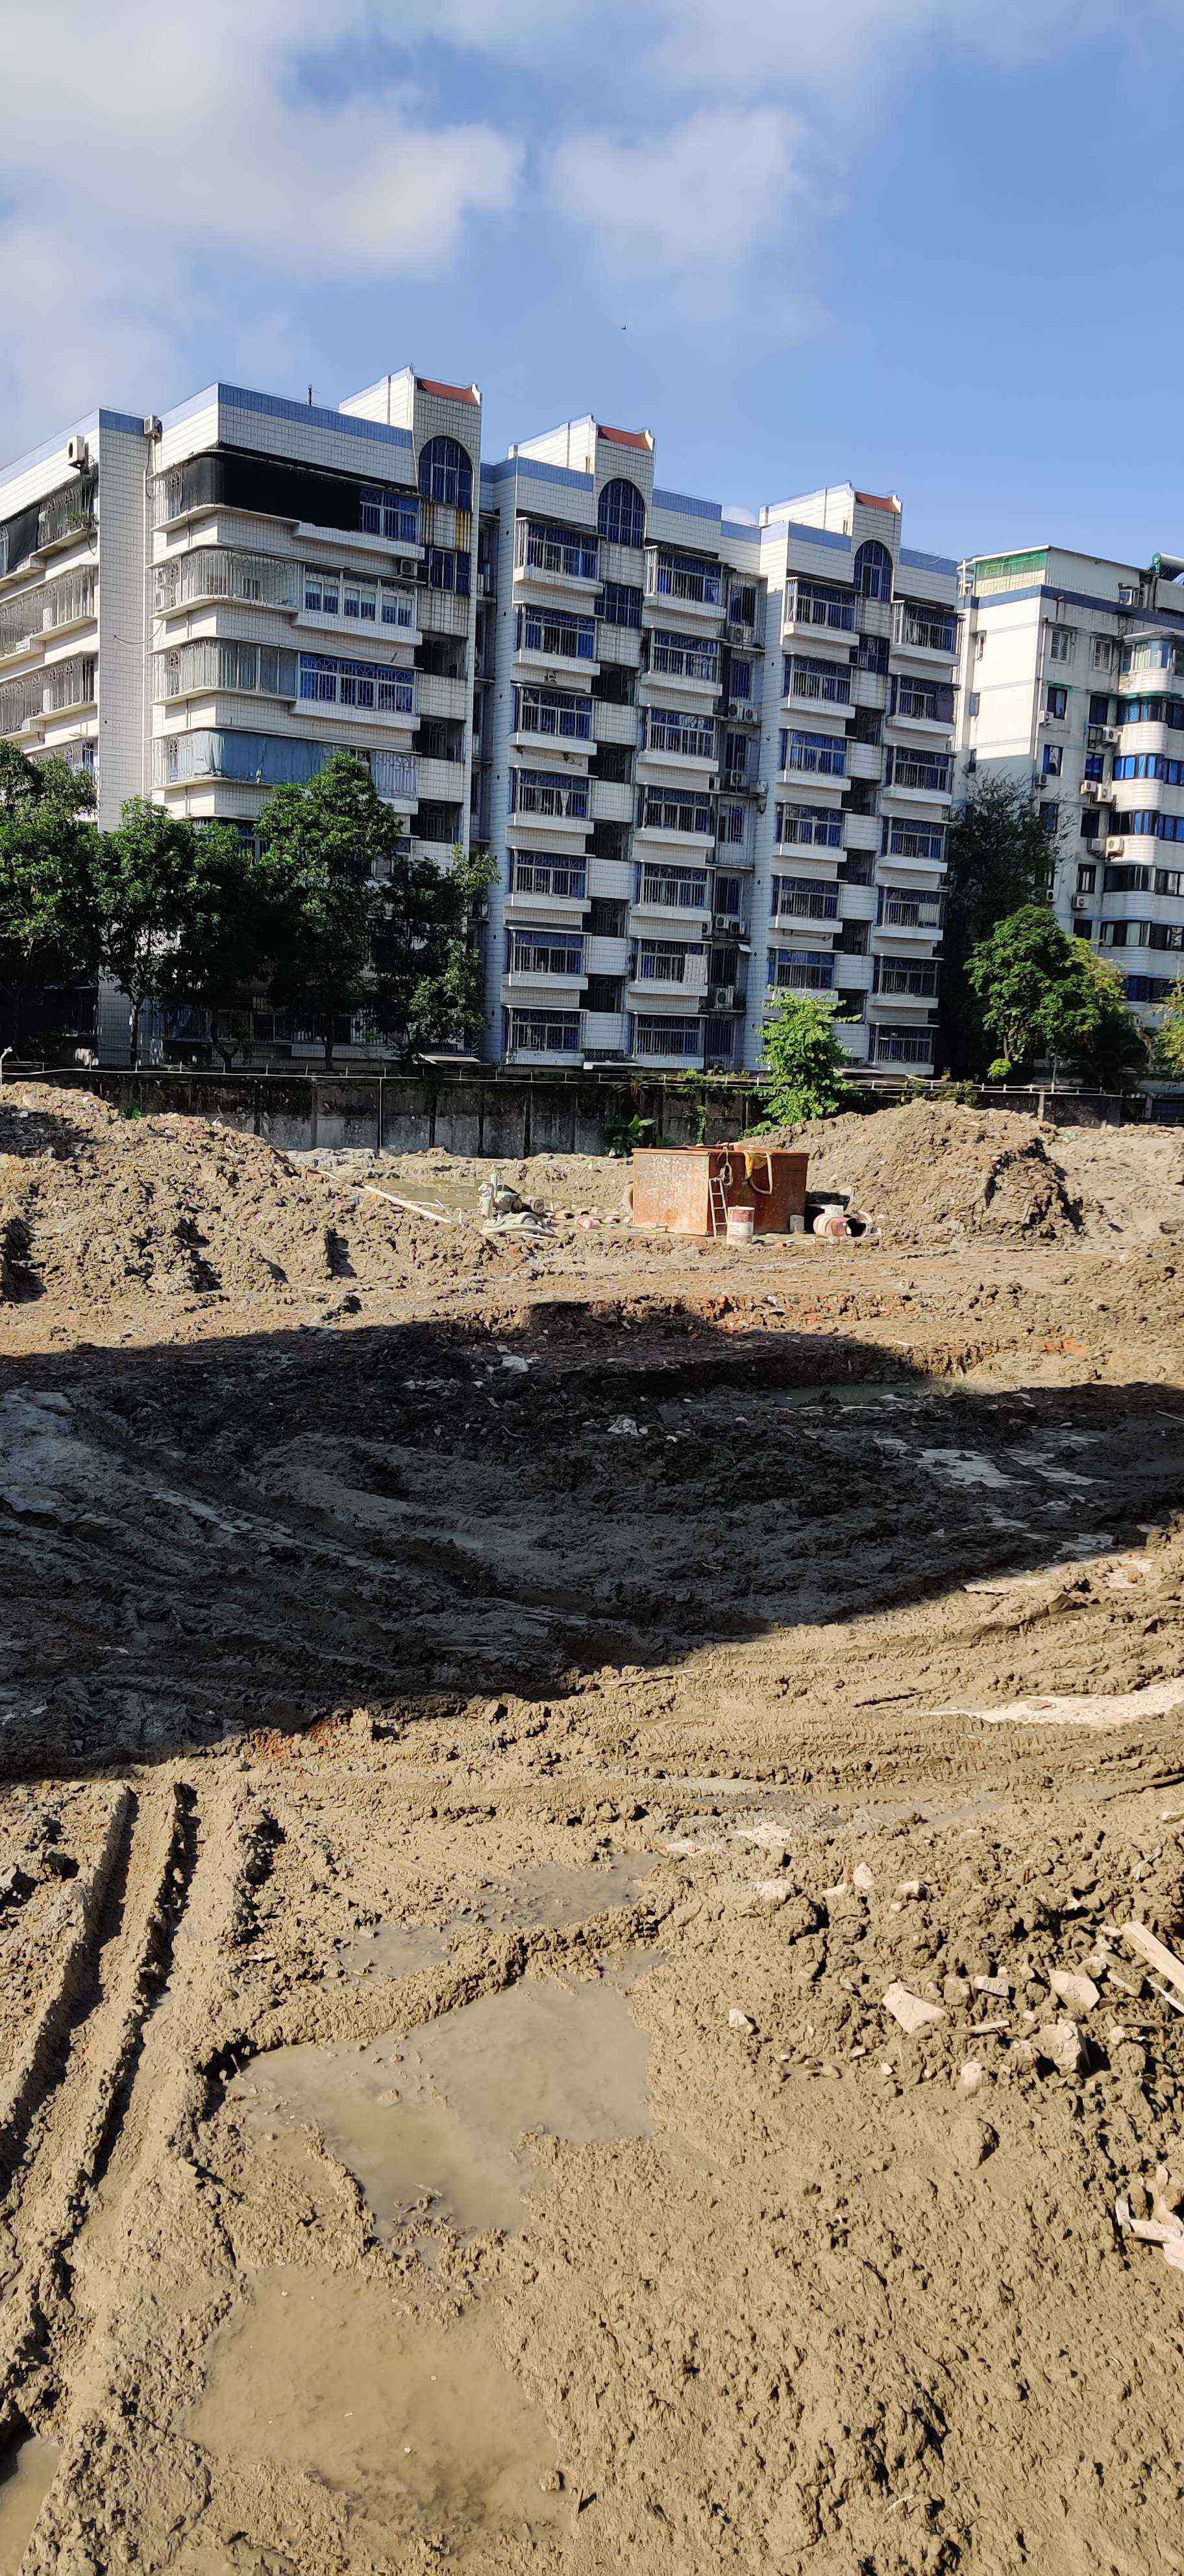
x=908, y=912
x=49, y=690
x=681, y=1039
x=804, y=903
x=801, y=970
x=543, y=1033
x=902, y=1046
x=833, y=688
x=549, y=796
x=812, y=604
x=808, y=831
x=662, y=962
x=683, y=577
x=564, y=551
x=40, y=610
x=683, y=658
x=925, y=631
x=919, y=982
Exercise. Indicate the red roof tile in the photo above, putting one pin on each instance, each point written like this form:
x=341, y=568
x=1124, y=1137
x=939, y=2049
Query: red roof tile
x=626, y=437
x=451, y=393
x=878, y=501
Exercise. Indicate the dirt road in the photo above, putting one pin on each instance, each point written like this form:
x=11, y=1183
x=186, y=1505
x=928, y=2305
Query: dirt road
x=499, y=1746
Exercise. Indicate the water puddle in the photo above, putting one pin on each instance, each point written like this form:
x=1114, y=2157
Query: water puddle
x=556, y=1895
x=416, y=2428
x=439, y=2122
x=26, y=2476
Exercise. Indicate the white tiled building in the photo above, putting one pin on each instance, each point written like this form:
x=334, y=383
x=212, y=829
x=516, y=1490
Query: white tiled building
x=712, y=756
x=1073, y=684
x=715, y=761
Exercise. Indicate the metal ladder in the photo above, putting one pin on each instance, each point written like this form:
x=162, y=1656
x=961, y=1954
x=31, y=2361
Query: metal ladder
x=717, y=1199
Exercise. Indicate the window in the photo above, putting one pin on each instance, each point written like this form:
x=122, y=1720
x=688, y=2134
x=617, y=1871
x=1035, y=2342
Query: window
x=809, y=827
x=1056, y=701
x=1149, y=764
x=929, y=630
x=620, y=513
x=873, y=654
x=1163, y=711
x=569, y=551
x=1052, y=760
x=1049, y=818
x=801, y=970
x=1099, y=708
x=742, y=604
x=729, y=826
x=619, y=604
x=679, y=1038
x=672, y=889
x=604, y=993
x=1062, y=641
x=607, y=917
x=801, y=899
x=545, y=952
x=674, y=729
x=909, y=909
x=902, y=1046
x=555, y=632
x=823, y=753
x=1094, y=765
x=912, y=975
x=686, y=657
x=1102, y=653
x=803, y=677
x=543, y=1033
x=447, y=568
x=385, y=512
x=613, y=760
x=1087, y=878
x=815, y=603
x=980, y=646
x=445, y=473
x=687, y=577
x=552, y=711
x=330, y=682
x=928, y=772
x=1126, y=594
x=973, y=702
x=873, y=570
x=665, y=961
x=923, y=701
x=738, y=680
x=914, y=841
x=548, y=792
x=566, y=879
x=667, y=809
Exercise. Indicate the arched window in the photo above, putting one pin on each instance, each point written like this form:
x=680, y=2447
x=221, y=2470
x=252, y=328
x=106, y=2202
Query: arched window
x=445, y=473
x=873, y=570
x=621, y=515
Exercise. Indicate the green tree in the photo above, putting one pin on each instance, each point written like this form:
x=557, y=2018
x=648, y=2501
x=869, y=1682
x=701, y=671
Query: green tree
x=1045, y=995
x=362, y=922
x=228, y=933
x=998, y=859
x=805, y=1061
x=152, y=902
x=48, y=851
x=1166, y=1054
x=326, y=847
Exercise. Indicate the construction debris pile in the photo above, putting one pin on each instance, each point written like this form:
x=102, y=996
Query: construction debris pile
x=931, y=1172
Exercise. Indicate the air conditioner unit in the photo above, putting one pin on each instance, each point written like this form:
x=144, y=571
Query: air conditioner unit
x=1091, y=790
x=152, y=425
x=1111, y=736
x=1115, y=845
x=1081, y=902
x=77, y=453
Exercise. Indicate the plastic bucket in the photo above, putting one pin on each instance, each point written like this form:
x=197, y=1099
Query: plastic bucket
x=740, y=1224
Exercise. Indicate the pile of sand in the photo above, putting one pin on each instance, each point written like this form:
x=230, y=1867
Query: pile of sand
x=930, y=1171
x=94, y=1206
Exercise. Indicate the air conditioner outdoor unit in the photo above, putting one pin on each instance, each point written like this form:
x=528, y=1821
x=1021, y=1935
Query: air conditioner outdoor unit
x=1115, y=845
x=1080, y=902
x=151, y=425
x=77, y=453
x=1111, y=735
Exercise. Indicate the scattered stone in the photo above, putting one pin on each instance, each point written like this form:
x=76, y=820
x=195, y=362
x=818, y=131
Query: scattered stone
x=956, y=1989
x=862, y=1876
x=1000, y=1986
x=1062, y=2044
x=1079, y=1992
x=973, y=2076
x=738, y=2020
x=911, y=2011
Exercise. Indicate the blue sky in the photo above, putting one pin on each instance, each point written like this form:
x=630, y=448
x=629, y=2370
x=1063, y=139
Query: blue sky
x=933, y=248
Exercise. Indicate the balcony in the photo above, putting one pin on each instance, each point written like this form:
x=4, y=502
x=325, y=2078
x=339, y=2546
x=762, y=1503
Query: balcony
x=441, y=782
x=801, y=970
x=544, y=1037
x=925, y=782
x=813, y=608
x=663, y=968
x=810, y=831
x=924, y=634
x=902, y=916
x=901, y=1046
x=673, y=897
x=667, y=1042
x=547, y=559
x=831, y=688
x=685, y=586
x=818, y=903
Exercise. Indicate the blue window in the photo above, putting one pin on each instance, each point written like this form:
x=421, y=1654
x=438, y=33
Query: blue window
x=873, y=570
x=545, y=952
x=619, y=604
x=682, y=657
x=1099, y=707
x=739, y=678
x=670, y=809
x=729, y=826
x=1094, y=765
x=544, y=548
x=548, y=792
x=925, y=701
x=1149, y=764
x=1049, y=815
x=445, y=473
x=689, y=577
x=824, y=753
x=872, y=654
x=815, y=603
x=914, y=841
x=331, y=682
x=675, y=729
x=556, y=632
x=929, y=771
x=447, y=568
x=809, y=827
x=386, y=512
x=1053, y=760
x=1164, y=711
x=801, y=970
x=552, y=711
x=1056, y=700
x=620, y=513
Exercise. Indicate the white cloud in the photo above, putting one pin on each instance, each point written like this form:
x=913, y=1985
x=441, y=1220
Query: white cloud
x=686, y=203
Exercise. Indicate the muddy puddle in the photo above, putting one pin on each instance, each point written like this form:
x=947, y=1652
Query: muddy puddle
x=437, y=2125
x=26, y=2475
x=557, y=1896
x=321, y=2397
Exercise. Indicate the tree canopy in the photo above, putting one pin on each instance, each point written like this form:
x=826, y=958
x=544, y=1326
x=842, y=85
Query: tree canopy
x=48, y=851
x=999, y=858
x=1044, y=995
x=805, y=1062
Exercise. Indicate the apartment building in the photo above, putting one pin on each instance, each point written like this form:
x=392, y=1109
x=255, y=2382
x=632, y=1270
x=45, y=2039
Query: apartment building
x=711, y=755
x=1073, y=684
x=715, y=762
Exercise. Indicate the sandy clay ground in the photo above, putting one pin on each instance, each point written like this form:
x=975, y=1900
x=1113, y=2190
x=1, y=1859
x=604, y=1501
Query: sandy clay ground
x=591, y=1866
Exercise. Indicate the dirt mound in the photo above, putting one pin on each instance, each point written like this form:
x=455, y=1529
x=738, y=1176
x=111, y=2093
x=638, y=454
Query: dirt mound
x=94, y=1206
x=930, y=1171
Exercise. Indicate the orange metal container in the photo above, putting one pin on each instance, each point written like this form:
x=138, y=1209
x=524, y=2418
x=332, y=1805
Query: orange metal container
x=672, y=1186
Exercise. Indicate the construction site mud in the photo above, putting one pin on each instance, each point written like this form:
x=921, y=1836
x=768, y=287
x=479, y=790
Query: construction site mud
x=573, y=1818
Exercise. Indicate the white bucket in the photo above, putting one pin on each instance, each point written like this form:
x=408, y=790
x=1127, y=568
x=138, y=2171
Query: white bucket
x=740, y=1224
